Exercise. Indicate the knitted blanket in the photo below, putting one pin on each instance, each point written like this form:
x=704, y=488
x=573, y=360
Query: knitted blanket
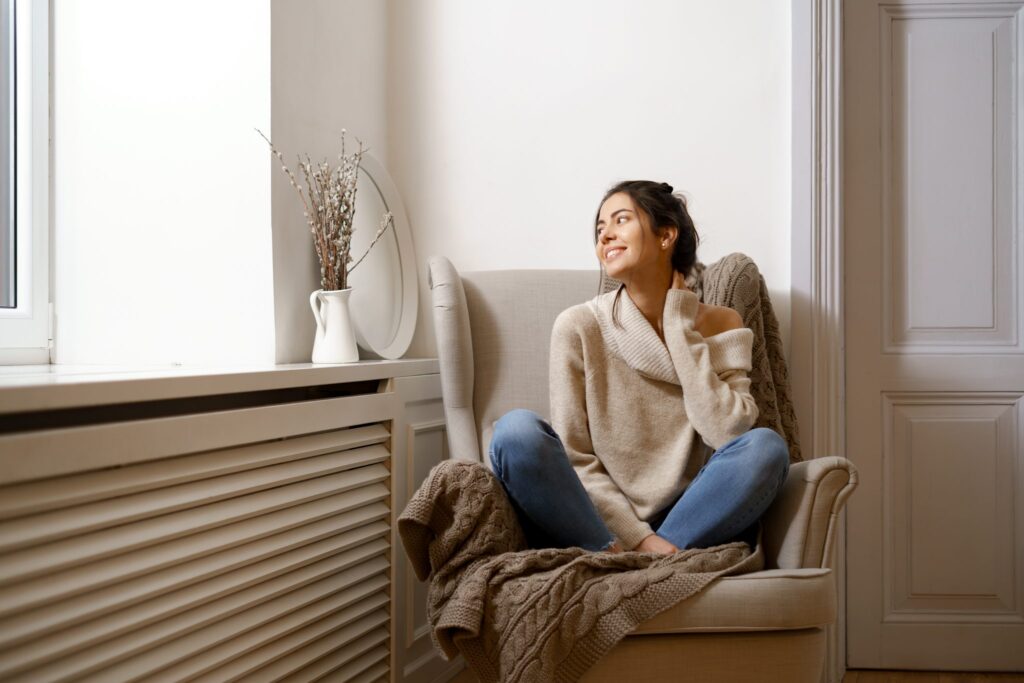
x=734, y=281
x=535, y=615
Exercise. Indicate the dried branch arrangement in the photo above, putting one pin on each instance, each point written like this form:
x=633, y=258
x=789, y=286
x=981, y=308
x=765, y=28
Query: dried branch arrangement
x=329, y=206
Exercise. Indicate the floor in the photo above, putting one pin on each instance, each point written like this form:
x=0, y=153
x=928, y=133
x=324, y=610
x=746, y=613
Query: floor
x=880, y=677
x=928, y=677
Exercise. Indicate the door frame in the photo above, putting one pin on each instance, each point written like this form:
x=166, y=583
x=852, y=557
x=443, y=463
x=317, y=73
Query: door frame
x=817, y=346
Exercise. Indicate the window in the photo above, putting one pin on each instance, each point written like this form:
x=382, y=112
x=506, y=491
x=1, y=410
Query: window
x=24, y=195
x=8, y=243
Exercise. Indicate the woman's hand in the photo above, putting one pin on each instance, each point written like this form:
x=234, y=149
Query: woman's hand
x=679, y=282
x=656, y=544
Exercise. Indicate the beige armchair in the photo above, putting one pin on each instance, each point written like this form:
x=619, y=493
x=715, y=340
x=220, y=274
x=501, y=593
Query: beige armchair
x=493, y=331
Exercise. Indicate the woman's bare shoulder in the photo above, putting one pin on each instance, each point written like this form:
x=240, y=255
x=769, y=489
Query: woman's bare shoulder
x=718, y=319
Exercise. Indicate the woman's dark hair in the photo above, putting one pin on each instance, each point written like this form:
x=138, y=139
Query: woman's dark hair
x=662, y=208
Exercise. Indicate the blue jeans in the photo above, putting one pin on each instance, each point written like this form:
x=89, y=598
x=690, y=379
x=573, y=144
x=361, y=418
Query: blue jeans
x=726, y=498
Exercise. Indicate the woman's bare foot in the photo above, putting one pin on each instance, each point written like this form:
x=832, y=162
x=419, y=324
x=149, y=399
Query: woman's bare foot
x=656, y=544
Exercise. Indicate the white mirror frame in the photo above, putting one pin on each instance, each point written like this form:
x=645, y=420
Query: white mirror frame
x=399, y=343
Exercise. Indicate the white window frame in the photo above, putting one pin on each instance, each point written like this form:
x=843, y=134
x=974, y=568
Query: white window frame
x=25, y=331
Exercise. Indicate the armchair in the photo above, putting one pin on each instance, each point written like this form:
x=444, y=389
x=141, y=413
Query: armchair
x=493, y=331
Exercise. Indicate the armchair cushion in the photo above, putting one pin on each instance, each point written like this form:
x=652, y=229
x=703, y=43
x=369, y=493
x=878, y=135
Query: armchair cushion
x=772, y=600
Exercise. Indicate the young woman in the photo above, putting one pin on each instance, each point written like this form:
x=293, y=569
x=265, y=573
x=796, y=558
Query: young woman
x=646, y=382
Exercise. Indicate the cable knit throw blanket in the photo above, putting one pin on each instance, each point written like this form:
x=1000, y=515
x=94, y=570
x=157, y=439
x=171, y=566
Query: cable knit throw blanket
x=535, y=615
x=734, y=281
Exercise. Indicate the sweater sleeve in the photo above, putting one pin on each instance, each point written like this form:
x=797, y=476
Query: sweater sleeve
x=569, y=420
x=713, y=372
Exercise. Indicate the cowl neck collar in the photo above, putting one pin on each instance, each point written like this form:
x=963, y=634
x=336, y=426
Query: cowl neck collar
x=631, y=337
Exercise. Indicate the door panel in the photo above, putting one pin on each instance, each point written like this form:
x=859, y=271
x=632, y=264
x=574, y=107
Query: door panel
x=934, y=254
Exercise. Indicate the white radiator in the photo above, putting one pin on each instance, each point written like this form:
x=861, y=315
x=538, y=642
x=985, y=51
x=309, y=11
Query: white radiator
x=246, y=544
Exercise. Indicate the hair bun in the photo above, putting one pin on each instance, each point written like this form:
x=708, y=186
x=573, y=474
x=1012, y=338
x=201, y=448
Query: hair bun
x=665, y=187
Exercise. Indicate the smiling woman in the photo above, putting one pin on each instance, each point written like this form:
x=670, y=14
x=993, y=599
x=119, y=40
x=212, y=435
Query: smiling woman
x=638, y=214
x=645, y=236
x=641, y=380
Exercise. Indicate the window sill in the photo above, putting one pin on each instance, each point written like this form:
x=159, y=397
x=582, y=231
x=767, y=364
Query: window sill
x=34, y=388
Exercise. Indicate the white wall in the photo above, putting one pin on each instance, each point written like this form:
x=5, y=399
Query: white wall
x=162, y=211
x=329, y=71
x=502, y=125
x=509, y=120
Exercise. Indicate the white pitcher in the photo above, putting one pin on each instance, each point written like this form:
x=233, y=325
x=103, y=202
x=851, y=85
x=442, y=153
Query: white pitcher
x=335, y=337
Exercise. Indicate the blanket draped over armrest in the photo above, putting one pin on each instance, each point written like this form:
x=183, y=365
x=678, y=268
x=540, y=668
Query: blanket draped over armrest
x=535, y=615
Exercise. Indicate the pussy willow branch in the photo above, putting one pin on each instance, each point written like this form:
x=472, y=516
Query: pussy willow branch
x=328, y=203
x=316, y=224
x=387, y=222
x=288, y=171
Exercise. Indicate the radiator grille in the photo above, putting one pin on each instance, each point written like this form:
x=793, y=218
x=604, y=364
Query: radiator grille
x=263, y=562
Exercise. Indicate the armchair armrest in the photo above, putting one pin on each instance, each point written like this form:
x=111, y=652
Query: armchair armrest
x=800, y=526
x=455, y=356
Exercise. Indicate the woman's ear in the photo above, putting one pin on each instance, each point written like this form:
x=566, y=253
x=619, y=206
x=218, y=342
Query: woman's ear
x=668, y=237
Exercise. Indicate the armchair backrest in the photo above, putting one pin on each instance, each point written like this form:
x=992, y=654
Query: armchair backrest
x=494, y=327
x=493, y=333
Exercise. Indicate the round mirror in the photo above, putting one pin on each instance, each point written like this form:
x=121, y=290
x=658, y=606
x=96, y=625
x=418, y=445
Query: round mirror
x=384, y=300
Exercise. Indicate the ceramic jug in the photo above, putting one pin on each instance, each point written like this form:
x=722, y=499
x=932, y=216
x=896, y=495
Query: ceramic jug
x=335, y=340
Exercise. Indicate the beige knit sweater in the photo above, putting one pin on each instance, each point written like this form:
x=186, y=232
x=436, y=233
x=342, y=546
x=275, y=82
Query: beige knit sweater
x=639, y=417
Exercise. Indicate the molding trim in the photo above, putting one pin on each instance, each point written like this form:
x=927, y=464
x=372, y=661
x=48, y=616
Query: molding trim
x=826, y=236
x=412, y=634
x=827, y=310
x=817, y=258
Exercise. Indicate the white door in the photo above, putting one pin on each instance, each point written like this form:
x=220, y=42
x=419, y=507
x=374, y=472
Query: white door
x=934, y=288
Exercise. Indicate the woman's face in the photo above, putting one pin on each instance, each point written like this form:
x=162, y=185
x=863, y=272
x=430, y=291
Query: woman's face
x=624, y=245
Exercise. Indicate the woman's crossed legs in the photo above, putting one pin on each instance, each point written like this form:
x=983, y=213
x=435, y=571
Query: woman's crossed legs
x=728, y=495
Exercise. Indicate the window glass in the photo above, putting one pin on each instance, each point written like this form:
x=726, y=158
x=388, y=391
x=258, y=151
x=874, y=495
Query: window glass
x=8, y=237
